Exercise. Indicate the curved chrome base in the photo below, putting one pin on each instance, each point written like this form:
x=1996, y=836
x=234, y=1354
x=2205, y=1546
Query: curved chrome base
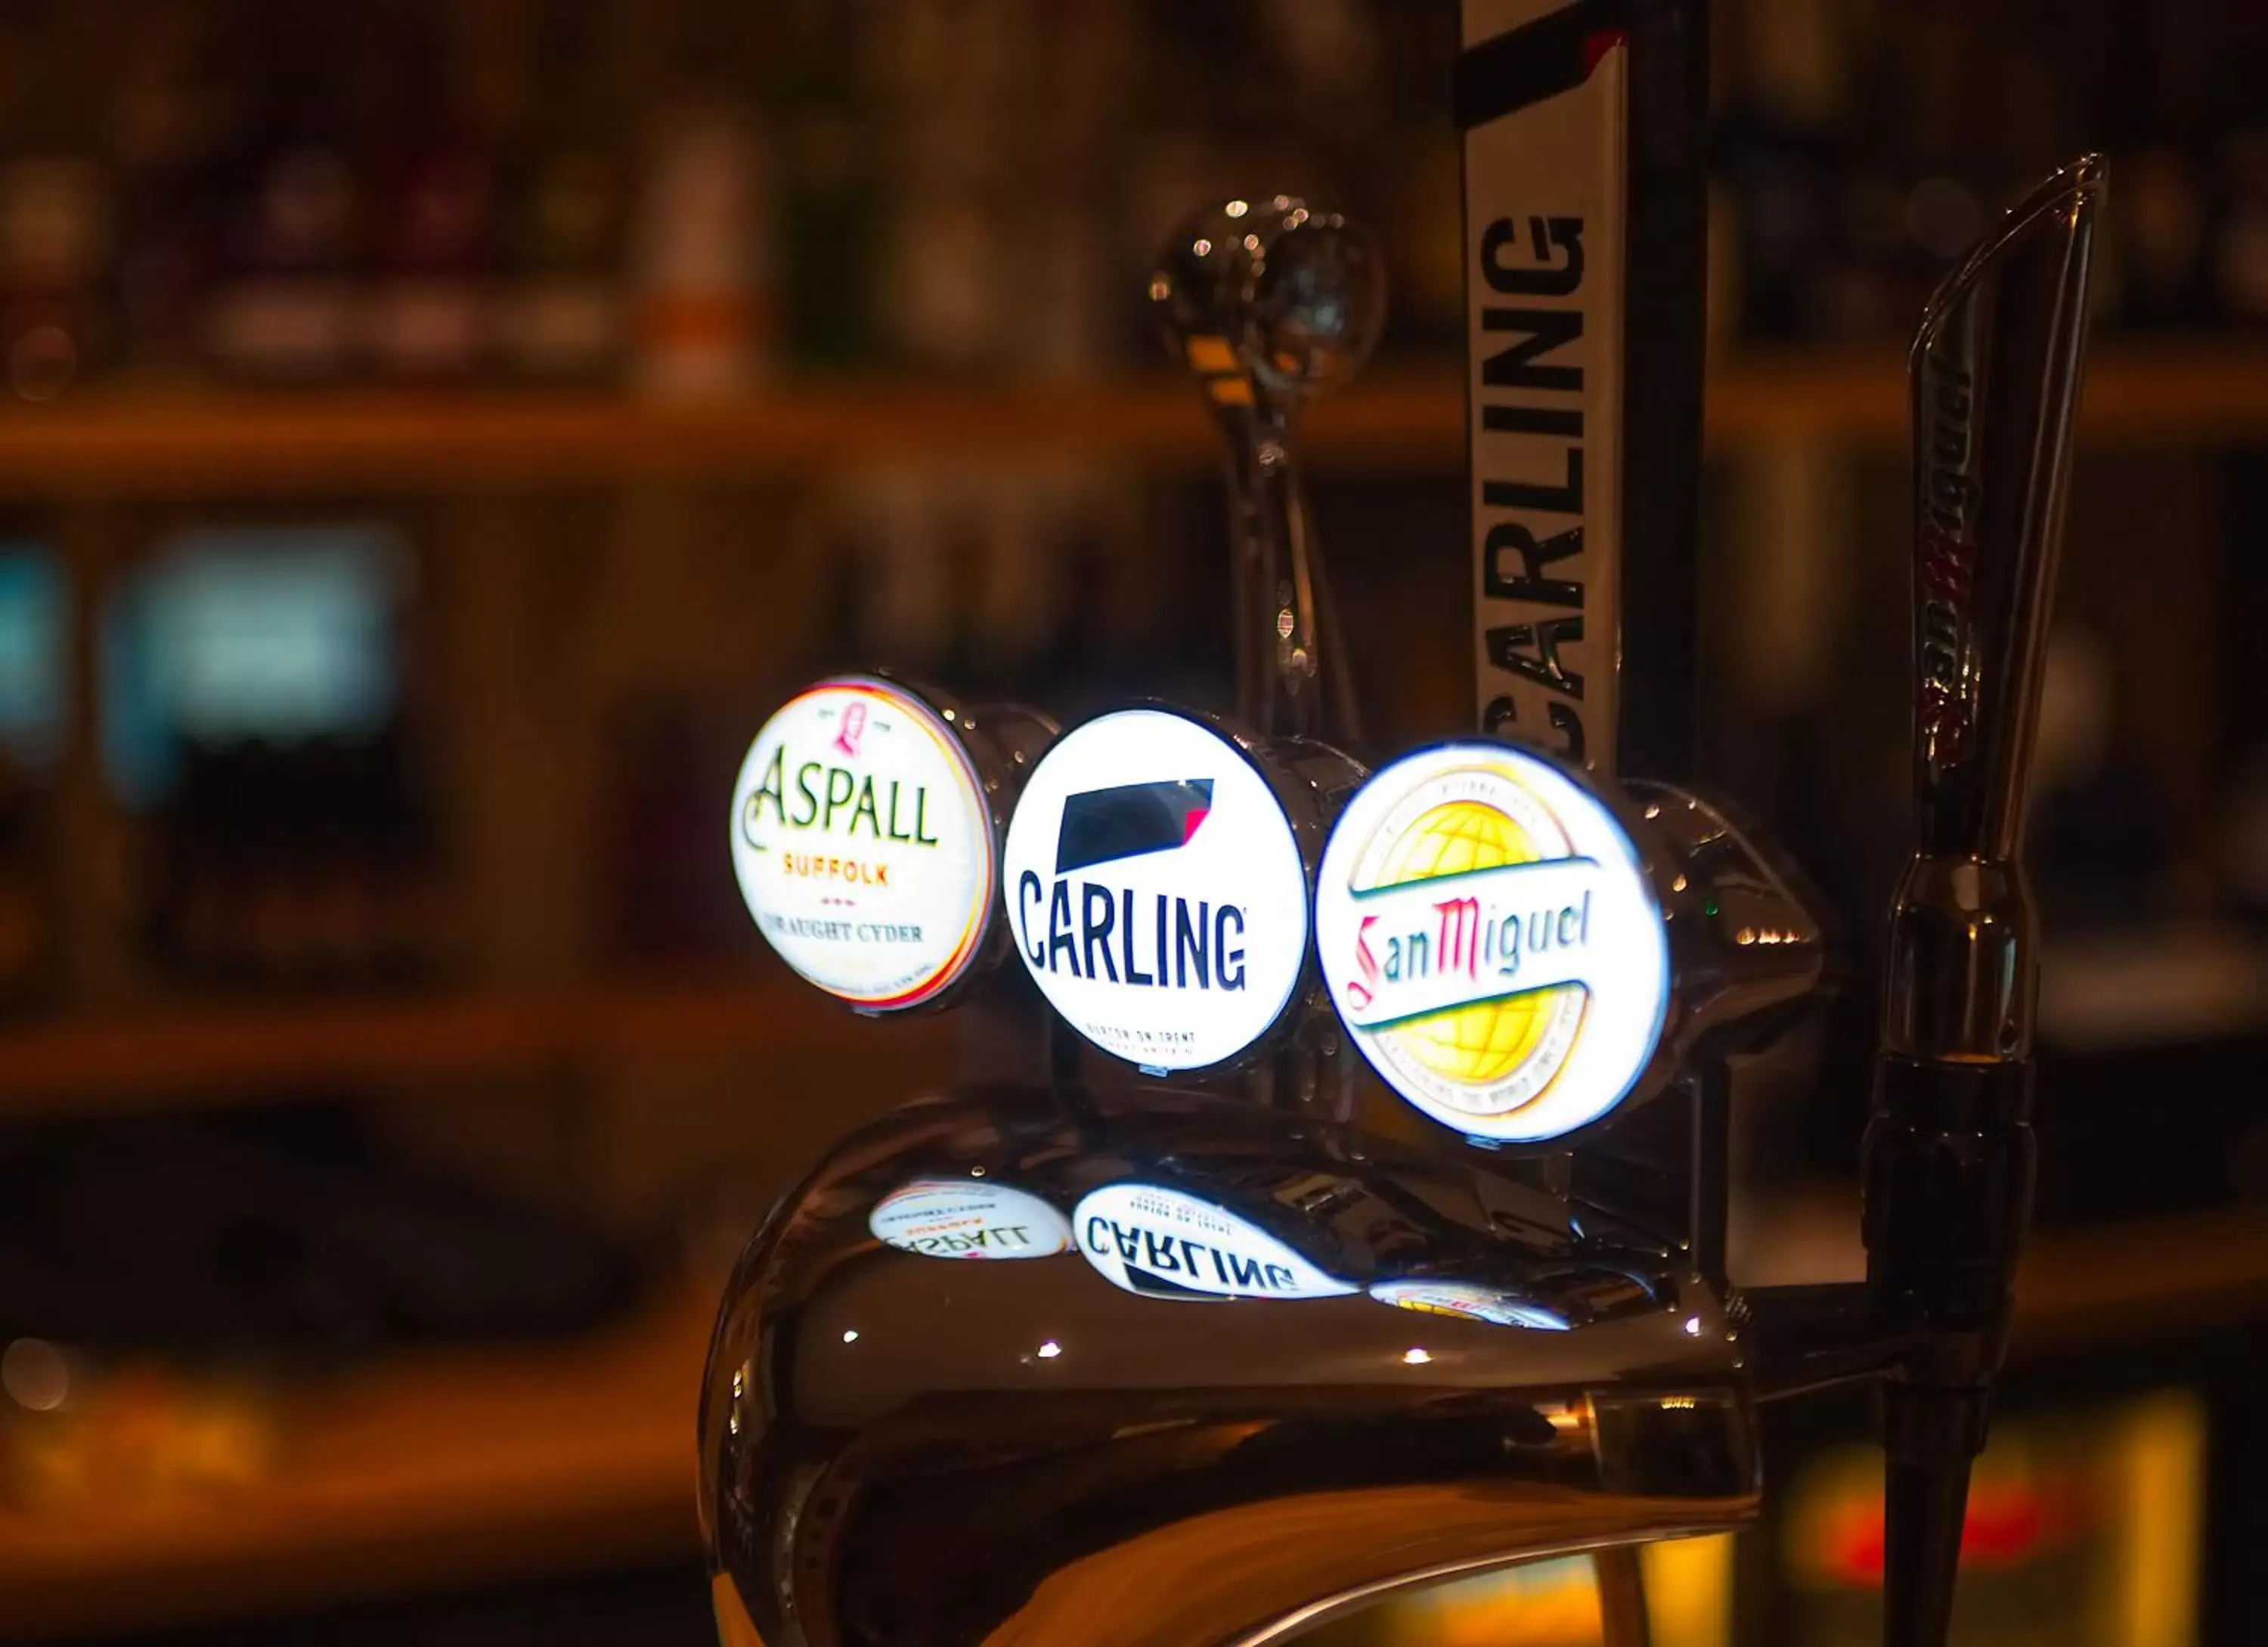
x=1188, y=1411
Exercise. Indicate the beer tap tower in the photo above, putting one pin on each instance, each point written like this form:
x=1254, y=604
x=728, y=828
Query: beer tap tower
x=1376, y=1236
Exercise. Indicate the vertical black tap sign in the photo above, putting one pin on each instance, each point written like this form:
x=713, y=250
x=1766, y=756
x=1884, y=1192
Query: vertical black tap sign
x=1583, y=257
x=1584, y=254
x=1585, y=230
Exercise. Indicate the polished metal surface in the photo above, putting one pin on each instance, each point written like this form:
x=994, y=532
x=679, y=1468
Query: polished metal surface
x=1269, y=303
x=1995, y=370
x=1744, y=941
x=1192, y=1417
x=1002, y=741
x=1307, y=1066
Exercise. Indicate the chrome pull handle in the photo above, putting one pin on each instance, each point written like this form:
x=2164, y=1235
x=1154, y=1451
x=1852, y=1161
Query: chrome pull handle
x=1271, y=304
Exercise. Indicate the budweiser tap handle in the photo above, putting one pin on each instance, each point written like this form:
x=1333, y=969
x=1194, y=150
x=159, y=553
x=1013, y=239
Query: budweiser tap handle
x=1949, y=1150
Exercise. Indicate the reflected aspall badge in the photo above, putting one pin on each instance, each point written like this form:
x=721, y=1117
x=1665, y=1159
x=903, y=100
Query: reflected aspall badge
x=862, y=842
x=1155, y=890
x=1167, y=1243
x=1491, y=941
x=968, y=1218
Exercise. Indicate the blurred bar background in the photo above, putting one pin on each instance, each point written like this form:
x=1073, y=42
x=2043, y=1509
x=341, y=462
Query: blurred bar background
x=436, y=433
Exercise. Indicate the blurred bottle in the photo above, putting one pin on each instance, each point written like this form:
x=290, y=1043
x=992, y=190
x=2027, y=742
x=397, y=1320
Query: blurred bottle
x=1404, y=178
x=53, y=238
x=1061, y=126
x=2161, y=118
x=433, y=209
x=832, y=187
x=1777, y=153
x=560, y=319
x=669, y=899
x=2099, y=836
x=2158, y=219
x=1330, y=52
x=2240, y=241
x=28, y=917
x=1423, y=242
x=306, y=865
x=2242, y=848
x=2240, y=250
x=283, y=309
x=701, y=254
x=56, y=216
x=255, y=698
x=34, y=624
x=170, y=106
x=949, y=277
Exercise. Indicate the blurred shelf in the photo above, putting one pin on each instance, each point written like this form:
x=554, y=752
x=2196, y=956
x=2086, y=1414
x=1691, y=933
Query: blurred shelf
x=175, y=1054
x=418, y=1472
x=208, y=444
x=2157, y=394
x=458, y=1467
x=2145, y=1280
x=2193, y=984
x=190, y=443
x=2127, y=1282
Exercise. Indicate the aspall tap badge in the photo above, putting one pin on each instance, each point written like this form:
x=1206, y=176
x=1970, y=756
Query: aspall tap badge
x=1489, y=939
x=862, y=842
x=1167, y=1243
x=1155, y=890
x=969, y=1218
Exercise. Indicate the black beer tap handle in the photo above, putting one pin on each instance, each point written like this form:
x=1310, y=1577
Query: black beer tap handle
x=1949, y=1151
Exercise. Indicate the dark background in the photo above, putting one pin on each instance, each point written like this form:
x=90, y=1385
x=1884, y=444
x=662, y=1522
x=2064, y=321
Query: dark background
x=437, y=434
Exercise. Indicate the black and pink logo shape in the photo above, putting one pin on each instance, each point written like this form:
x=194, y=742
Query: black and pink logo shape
x=1130, y=821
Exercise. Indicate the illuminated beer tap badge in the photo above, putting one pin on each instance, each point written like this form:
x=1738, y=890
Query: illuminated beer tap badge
x=1156, y=891
x=862, y=842
x=1491, y=943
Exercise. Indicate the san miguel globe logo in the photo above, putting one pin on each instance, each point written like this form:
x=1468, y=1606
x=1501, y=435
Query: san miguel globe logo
x=862, y=842
x=1491, y=943
x=1155, y=890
